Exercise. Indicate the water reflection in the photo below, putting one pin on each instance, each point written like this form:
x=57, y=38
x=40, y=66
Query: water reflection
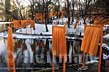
x=36, y=53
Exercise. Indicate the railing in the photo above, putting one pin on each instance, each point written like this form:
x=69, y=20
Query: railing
x=3, y=25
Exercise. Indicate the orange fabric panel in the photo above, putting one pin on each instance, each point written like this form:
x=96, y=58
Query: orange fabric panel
x=91, y=40
x=86, y=40
x=75, y=25
x=59, y=41
x=24, y=23
x=10, y=52
x=40, y=16
x=93, y=49
x=99, y=21
x=95, y=41
x=59, y=44
x=32, y=24
x=55, y=46
x=16, y=23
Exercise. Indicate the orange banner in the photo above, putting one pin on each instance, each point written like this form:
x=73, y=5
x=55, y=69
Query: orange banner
x=24, y=23
x=16, y=24
x=40, y=17
x=32, y=24
x=10, y=52
x=91, y=40
x=59, y=44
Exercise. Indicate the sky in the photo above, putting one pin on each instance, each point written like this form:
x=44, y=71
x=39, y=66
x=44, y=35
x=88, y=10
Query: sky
x=27, y=2
x=24, y=2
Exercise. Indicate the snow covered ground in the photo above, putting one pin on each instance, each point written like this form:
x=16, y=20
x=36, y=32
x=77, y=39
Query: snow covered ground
x=40, y=29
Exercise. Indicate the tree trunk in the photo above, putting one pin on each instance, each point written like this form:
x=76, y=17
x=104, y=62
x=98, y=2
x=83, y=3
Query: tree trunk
x=21, y=17
x=73, y=10
x=7, y=8
x=46, y=16
x=68, y=13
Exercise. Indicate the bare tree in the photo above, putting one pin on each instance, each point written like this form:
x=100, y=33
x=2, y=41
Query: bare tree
x=32, y=8
x=19, y=9
x=42, y=8
x=68, y=13
x=7, y=8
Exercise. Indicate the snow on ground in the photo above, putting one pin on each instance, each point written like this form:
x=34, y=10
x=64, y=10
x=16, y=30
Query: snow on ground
x=2, y=46
x=40, y=28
